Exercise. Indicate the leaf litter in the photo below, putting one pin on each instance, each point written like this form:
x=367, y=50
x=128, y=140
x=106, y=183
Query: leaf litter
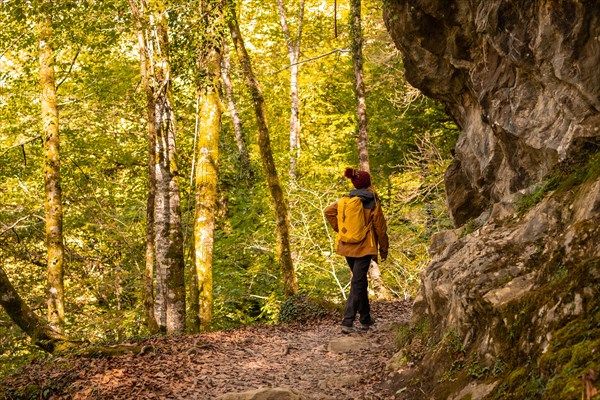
x=208, y=365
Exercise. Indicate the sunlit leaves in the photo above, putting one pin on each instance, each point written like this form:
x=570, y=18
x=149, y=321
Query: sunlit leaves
x=104, y=157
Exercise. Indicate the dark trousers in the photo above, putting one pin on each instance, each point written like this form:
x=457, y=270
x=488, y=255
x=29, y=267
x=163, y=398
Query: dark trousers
x=358, y=299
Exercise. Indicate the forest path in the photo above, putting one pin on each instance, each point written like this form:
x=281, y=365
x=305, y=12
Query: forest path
x=206, y=366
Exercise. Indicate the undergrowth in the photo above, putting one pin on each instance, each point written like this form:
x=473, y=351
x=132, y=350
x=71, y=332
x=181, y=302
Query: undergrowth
x=301, y=308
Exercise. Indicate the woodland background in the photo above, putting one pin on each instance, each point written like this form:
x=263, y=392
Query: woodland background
x=104, y=163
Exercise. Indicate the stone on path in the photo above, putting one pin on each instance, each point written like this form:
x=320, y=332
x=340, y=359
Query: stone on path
x=267, y=394
x=348, y=344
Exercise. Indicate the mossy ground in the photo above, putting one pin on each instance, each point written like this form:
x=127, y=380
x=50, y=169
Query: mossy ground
x=553, y=374
x=562, y=178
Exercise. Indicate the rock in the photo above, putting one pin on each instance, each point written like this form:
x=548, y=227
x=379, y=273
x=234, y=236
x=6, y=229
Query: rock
x=397, y=362
x=521, y=81
x=496, y=288
x=475, y=391
x=513, y=290
x=267, y=394
x=343, y=381
x=487, y=271
x=348, y=344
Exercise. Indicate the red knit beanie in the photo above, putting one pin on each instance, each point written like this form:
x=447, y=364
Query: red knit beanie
x=360, y=179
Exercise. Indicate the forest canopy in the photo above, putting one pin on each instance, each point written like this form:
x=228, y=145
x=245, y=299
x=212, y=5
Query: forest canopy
x=101, y=93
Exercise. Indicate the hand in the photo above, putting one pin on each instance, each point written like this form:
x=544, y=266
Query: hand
x=383, y=257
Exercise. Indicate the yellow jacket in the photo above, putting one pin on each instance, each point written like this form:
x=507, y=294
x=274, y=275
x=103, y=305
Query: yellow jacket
x=376, y=239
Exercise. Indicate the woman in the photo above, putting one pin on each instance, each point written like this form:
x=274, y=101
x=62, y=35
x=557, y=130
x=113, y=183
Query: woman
x=359, y=253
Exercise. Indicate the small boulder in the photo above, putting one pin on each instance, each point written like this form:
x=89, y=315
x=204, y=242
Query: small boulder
x=347, y=344
x=267, y=394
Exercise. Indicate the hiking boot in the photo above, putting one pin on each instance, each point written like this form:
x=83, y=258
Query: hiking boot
x=372, y=321
x=365, y=327
x=347, y=329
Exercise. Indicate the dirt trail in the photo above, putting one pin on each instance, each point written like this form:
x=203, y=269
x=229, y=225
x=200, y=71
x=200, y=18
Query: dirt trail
x=206, y=366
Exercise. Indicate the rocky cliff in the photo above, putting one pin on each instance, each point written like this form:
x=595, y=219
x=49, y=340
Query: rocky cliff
x=508, y=308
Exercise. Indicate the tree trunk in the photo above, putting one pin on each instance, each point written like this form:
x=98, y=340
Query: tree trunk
x=36, y=328
x=148, y=291
x=167, y=216
x=149, y=270
x=167, y=209
x=290, y=285
x=167, y=236
x=359, y=84
x=149, y=298
x=53, y=203
x=235, y=117
x=46, y=337
x=206, y=174
x=361, y=117
x=293, y=47
x=377, y=286
x=193, y=293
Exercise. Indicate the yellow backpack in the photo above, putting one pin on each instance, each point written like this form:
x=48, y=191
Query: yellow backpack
x=352, y=227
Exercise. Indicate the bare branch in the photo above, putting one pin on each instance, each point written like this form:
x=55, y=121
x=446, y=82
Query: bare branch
x=300, y=20
x=11, y=45
x=311, y=59
x=23, y=143
x=19, y=220
x=70, y=68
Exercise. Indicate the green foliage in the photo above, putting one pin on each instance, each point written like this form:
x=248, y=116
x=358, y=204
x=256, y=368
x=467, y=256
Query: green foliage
x=414, y=340
x=564, y=177
x=15, y=349
x=529, y=201
x=498, y=368
x=478, y=371
x=104, y=172
x=470, y=227
x=300, y=309
x=455, y=342
x=415, y=208
x=572, y=353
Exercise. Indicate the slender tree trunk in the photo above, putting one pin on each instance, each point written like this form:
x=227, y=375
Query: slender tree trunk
x=206, y=177
x=361, y=117
x=36, y=328
x=359, y=84
x=294, y=121
x=193, y=292
x=166, y=231
x=235, y=117
x=169, y=255
x=149, y=299
x=377, y=285
x=53, y=203
x=284, y=254
x=149, y=270
x=293, y=47
x=206, y=174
